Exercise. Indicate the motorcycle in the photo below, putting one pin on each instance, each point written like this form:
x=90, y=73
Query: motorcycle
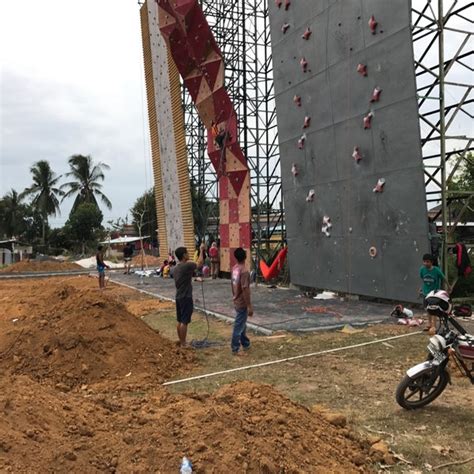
x=424, y=382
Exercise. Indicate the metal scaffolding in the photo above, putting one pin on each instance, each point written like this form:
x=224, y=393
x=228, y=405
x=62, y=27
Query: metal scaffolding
x=443, y=47
x=242, y=31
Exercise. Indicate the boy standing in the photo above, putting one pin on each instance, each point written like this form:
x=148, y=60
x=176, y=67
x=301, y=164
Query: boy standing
x=183, y=275
x=433, y=280
x=101, y=266
x=243, y=306
x=127, y=257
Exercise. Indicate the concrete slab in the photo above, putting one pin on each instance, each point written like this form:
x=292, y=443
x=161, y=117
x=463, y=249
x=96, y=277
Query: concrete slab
x=275, y=309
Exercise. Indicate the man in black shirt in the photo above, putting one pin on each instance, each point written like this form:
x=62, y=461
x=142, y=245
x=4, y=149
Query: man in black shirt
x=127, y=257
x=183, y=275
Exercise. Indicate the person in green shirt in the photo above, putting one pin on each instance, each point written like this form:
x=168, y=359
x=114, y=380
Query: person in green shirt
x=433, y=279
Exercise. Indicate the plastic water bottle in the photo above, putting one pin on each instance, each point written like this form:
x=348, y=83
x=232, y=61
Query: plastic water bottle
x=186, y=466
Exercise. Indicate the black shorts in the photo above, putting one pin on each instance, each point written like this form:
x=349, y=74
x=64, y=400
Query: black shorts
x=184, y=310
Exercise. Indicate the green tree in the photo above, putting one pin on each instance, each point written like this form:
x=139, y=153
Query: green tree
x=12, y=214
x=85, y=184
x=203, y=210
x=144, y=214
x=463, y=185
x=44, y=192
x=84, y=225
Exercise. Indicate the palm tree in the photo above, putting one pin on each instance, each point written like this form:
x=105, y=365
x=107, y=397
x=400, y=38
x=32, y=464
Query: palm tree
x=44, y=191
x=12, y=211
x=86, y=176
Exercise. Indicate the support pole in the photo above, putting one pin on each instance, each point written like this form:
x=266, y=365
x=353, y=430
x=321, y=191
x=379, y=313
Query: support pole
x=442, y=131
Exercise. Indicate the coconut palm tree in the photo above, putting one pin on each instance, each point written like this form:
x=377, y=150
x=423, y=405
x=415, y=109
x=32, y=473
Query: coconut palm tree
x=45, y=192
x=12, y=214
x=85, y=184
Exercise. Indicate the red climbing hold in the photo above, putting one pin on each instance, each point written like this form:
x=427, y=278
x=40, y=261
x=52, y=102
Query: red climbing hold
x=287, y=4
x=379, y=186
x=297, y=100
x=368, y=120
x=302, y=141
x=373, y=24
x=307, y=33
x=278, y=3
x=269, y=272
x=285, y=27
x=362, y=69
x=376, y=95
x=304, y=64
x=356, y=154
x=294, y=170
x=307, y=122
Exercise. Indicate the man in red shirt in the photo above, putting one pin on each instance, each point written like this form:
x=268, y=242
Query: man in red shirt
x=243, y=306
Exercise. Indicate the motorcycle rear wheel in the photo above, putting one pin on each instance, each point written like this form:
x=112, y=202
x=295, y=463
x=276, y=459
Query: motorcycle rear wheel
x=419, y=391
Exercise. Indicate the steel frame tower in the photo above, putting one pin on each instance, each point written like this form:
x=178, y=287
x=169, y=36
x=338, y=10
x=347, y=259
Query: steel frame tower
x=443, y=46
x=242, y=30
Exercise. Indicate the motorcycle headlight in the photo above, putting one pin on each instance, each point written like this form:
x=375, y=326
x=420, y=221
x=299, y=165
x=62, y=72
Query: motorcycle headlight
x=438, y=342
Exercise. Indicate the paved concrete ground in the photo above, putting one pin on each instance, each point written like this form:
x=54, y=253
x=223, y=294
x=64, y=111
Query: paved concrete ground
x=275, y=309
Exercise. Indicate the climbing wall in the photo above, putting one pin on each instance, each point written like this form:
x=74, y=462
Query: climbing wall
x=171, y=178
x=200, y=63
x=350, y=145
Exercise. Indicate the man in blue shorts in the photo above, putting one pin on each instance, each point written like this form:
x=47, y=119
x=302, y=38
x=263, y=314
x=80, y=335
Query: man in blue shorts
x=183, y=275
x=101, y=266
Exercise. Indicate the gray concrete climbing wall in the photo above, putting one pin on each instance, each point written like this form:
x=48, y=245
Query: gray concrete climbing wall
x=373, y=242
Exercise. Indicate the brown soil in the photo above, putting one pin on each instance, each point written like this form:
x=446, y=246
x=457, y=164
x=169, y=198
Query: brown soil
x=75, y=336
x=80, y=392
x=244, y=427
x=41, y=266
x=147, y=260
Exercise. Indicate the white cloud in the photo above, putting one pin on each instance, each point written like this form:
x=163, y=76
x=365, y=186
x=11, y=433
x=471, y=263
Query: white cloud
x=72, y=82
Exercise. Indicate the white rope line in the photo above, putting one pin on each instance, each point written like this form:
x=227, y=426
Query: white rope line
x=279, y=361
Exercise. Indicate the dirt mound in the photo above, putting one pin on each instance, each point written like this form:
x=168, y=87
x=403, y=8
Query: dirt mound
x=244, y=427
x=149, y=260
x=41, y=266
x=83, y=336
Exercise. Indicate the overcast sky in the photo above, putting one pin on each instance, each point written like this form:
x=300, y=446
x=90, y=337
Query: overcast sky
x=72, y=83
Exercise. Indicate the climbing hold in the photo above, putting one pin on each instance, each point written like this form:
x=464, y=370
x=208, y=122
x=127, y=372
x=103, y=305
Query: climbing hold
x=297, y=100
x=362, y=69
x=376, y=94
x=287, y=4
x=307, y=122
x=373, y=252
x=373, y=25
x=327, y=225
x=310, y=196
x=356, y=154
x=304, y=64
x=302, y=141
x=294, y=170
x=285, y=27
x=368, y=120
x=379, y=186
x=307, y=33
x=278, y=3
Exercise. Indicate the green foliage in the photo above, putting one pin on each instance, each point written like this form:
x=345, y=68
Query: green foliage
x=85, y=182
x=84, y=226
x=203, y=210
x=144, y=214
x=44, y=192
x=12, y=215
x=463, y=180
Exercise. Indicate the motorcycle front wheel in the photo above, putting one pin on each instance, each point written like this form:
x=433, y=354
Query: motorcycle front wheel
x=419, y=391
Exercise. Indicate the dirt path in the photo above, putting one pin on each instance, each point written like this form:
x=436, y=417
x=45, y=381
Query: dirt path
x=80, y=391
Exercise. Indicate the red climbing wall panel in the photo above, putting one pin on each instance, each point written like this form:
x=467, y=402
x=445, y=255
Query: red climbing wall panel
x=201, y=66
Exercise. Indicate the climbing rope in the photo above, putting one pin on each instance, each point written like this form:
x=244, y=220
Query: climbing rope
x=205, y=343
